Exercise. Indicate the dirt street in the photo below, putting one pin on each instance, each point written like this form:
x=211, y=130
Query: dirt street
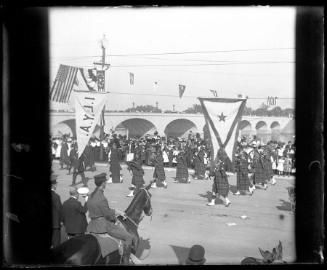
x=181, y=219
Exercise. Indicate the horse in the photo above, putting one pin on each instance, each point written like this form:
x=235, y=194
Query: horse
x=274, y=257
x=85, y=249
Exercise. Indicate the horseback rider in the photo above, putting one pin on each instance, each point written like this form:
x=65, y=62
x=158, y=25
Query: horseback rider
x=103, y=218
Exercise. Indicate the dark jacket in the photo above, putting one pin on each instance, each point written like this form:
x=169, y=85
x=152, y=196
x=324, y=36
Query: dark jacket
x=56, y=210
x=74, y=217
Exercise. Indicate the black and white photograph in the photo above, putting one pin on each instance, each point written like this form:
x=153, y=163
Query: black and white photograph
x=172, y=138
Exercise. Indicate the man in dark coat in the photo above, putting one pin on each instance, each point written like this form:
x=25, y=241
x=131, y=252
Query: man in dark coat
x=73, y=157
x=64, y=159
x=79, y=168
x=74, y=214
x=220, y=184
x=56, y=213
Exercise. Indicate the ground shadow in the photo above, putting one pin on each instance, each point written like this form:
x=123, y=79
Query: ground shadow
x=181, y=253
x=208, y=197
x=144, y=244
x=286, y=206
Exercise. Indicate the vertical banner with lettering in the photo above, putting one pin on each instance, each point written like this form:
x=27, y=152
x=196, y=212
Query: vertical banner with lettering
x=88, y=108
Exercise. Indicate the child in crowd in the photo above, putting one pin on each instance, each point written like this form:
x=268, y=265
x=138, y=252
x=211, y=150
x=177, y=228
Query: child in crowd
x=280, y=166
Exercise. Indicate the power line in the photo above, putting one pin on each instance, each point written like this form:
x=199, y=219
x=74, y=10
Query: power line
x=208, y=64
x=177, y=53
x=199, y=52
x=162, y=95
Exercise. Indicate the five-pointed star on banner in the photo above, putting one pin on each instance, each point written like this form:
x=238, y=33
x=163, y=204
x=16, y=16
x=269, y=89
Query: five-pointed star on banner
x=222, y=117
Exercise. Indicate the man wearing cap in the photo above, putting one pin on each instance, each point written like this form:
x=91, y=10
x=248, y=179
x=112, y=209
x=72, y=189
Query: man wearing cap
x=74, y=214
x=196, y=256
x=103, y=217
x=56, y=212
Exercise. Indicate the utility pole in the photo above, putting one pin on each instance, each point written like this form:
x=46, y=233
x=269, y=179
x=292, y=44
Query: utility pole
x=101, y=87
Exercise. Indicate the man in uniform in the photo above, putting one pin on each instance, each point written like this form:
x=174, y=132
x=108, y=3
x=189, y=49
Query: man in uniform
x=74, y=214
x=102, y=217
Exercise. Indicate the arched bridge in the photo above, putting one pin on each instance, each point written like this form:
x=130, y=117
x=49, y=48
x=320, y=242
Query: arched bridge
x=171, y=124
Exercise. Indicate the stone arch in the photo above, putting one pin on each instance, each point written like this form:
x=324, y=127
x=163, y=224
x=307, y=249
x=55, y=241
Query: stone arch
x=275, y=131
x=69, y=126
x=262, y=131
x=136, y=127
x=180, y=128
x=245, y=128
x=64, y=127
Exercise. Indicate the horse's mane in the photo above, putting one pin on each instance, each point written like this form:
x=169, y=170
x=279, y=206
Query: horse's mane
x=133, y=203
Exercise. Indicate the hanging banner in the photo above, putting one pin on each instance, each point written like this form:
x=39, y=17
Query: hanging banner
x=222, y=117
x=88, y=108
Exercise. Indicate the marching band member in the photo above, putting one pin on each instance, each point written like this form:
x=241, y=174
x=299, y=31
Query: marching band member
x=220, y=185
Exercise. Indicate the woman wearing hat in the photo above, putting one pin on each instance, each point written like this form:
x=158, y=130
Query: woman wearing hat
x=243, y=182
x=115, y=167
x=159, y=172
x=182, y=175
x=138, y=172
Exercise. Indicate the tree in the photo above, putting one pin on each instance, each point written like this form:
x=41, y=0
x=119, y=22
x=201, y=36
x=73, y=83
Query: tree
x=196, y=108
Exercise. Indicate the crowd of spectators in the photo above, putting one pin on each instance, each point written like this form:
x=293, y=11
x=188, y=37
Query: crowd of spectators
x=282, y=154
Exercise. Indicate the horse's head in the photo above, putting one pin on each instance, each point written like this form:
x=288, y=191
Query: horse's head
x=141, y=203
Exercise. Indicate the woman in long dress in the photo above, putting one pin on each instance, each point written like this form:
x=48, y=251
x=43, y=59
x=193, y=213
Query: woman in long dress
x=115, y=167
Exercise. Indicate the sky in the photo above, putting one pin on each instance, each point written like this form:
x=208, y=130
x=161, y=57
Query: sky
x=233, y=50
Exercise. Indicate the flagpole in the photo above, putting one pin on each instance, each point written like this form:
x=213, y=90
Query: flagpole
x=101, y=88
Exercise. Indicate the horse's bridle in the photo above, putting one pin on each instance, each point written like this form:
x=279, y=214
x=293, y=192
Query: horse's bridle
x=147, y=199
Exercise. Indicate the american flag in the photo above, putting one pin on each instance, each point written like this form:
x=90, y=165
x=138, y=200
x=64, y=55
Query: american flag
x=63, y=84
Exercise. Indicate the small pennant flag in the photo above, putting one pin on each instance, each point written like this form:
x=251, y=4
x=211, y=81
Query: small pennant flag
x=155, y=86
x=131, y=78
x=181, y=90
x=214, y=92
x=222, y=117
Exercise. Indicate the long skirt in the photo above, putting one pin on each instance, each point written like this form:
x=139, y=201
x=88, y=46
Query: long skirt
x=220, y=186
x=159, y=173
x=181, y=173
x=259, y=175
x=243, y=181
x=115, y=171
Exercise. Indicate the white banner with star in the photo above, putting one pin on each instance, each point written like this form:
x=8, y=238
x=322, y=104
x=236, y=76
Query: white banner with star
x=222, y=117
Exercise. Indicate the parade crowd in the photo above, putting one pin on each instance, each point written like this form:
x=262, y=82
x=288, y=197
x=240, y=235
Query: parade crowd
x=254, y=160
x=255, y=165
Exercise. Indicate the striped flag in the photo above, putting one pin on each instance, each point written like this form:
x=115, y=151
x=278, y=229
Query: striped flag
x=181, y=90
x=222, y=117
x=63, y=84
